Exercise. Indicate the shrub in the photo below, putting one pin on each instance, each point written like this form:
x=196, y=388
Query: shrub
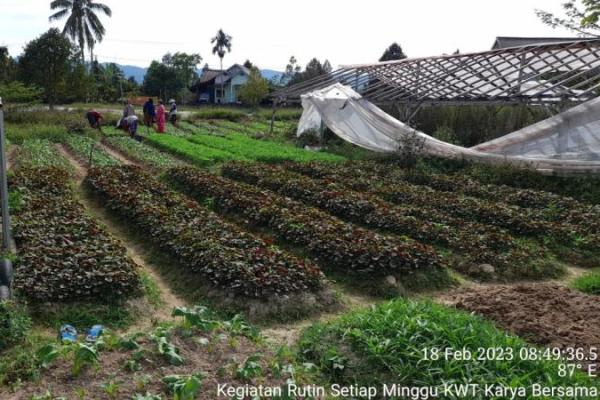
x=386, y=345
x=14, y=324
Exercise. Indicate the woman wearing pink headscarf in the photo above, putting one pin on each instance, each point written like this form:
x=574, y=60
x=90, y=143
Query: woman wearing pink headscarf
x=161, y=117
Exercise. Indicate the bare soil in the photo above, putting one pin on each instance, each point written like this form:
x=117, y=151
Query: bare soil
x=546, y=314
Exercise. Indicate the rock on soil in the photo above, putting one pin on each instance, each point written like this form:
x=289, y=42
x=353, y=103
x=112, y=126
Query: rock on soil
x=549, y=315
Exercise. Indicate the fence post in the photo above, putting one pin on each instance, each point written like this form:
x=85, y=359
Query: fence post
x=5, y=263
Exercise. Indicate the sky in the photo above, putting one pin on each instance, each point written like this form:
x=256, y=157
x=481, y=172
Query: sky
x=268, y=32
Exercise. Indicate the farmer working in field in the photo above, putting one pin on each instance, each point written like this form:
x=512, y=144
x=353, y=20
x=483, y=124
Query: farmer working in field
x=149, y=112
x=173, y=112
x=160, y=117
x=132, y=125
x=94, y=118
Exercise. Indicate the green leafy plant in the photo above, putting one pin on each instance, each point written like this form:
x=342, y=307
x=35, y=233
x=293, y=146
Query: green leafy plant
x=250, y=368
x=184, y=387
x=48, y=354
x=111, y=389
x=14, y=324
x=219, y=252
x=83, y=356
x=165, y=348
x=589, y=282
x=71, y=255
x=374, y=346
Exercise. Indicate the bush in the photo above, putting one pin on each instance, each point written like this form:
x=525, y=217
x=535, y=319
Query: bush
x=14, y=324
x=386, y=345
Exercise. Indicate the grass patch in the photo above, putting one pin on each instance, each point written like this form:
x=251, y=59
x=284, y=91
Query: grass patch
x=589, y=283
x=385, y=345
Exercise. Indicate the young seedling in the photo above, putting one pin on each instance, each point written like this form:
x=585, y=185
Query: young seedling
x=111, y=389
x=184, y=387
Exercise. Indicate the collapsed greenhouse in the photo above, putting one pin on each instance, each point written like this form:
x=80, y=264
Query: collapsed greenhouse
x=563, y=76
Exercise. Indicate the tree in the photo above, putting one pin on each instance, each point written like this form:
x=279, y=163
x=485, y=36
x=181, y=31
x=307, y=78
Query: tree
x=45, y=63
x=394, y=52
x=161, y=80
x=253, y=91
x=248, y=64
x=184, y=65
x=291, y=70
x=580, y=17
x=222, y=45
x=8, y=66
x=313, y=69
x=18, y=92
x=83, y=25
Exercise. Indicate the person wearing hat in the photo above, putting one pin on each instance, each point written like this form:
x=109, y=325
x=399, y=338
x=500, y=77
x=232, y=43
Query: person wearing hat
x=160, y=117
x=173, y=112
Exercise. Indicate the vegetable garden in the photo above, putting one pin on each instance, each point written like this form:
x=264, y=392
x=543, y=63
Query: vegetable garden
x=222, y=212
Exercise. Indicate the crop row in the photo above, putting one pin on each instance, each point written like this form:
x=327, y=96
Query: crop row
x=338, y=244
x=64, y=255
x=479, y=243
x=518, y=220
x=34, y=153
x=219, y=252
x=552, y=207
x=84, y=146
x=251, y=149
x=142, y=153
x=196, y=153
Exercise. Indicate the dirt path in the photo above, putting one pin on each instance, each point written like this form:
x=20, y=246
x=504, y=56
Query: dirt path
x=169, y=300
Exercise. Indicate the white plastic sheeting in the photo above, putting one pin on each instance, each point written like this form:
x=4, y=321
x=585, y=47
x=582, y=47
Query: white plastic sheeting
x=568, y=142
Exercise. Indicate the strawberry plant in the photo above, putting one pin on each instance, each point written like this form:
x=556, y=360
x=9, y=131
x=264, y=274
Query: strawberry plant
x=217, y=251
x=64, y=255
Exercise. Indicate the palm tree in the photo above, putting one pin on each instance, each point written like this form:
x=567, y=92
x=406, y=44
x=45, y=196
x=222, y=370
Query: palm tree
x=83, y=24
x=222, y=44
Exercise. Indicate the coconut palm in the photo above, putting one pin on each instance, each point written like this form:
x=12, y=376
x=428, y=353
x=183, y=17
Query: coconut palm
x=222, y=45
x=83, y=25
